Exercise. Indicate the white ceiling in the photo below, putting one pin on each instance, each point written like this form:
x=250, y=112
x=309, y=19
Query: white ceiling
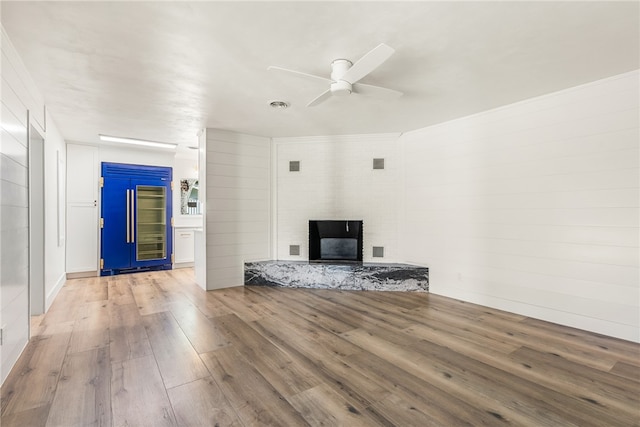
x=164, y=70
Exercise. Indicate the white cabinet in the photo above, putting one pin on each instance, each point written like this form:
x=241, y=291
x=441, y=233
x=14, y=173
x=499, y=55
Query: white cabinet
x=82, y=173
x=82, y=238
x=82, y=209
x=183, y=247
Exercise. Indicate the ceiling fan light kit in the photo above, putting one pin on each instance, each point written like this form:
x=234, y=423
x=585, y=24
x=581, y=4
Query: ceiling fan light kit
x=345, y=75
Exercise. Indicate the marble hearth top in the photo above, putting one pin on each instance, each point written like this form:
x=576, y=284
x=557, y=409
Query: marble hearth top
x=344, y=276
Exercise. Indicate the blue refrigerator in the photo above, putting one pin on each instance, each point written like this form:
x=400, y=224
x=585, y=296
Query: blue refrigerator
x=136, y=218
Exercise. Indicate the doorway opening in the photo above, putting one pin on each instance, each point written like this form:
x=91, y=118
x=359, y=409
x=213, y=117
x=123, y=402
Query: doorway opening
x=36, y=223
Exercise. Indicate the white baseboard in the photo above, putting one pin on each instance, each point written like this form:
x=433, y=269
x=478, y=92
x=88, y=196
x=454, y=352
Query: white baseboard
x=82, y=274
x=183, y=265
x=11, y=361
x=54, y=292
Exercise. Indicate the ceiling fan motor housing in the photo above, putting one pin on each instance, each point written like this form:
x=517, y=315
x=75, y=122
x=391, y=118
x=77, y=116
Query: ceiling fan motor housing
x=340, y=87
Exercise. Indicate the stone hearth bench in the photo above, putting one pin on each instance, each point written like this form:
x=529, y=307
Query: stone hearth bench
x=343, y=276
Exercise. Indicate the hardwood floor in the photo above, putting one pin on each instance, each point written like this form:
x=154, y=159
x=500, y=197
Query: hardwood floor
x=153, y=349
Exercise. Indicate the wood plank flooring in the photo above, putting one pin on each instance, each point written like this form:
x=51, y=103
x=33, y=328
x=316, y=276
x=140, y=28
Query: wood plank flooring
x=153, y=349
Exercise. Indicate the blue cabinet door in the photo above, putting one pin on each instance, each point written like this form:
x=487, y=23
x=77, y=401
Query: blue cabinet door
x=116, y=229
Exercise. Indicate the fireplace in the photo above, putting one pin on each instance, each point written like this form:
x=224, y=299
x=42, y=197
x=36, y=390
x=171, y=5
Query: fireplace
x=335, y=241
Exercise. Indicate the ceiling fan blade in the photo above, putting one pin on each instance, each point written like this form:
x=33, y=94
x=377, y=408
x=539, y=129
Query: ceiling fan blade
x=320, y=98
x=375, y=91
x=299, y=73
x=368, y=63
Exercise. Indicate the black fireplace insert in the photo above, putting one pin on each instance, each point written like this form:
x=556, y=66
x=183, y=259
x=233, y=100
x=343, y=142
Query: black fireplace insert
x=335, y=241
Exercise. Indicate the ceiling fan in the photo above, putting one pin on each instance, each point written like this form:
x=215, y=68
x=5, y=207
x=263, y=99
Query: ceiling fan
x=345, y=75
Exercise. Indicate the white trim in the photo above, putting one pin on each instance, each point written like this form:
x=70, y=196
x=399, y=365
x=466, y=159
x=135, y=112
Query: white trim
x=273, y=173
x=339, y=139
x=54, y=292
x=12, y=361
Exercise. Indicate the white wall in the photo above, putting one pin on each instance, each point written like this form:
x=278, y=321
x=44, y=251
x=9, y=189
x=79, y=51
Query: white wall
x=336, y=181
x=533, y=207
x=237, y=205
x=54, y=249
x=137, y=156
x=20, y=99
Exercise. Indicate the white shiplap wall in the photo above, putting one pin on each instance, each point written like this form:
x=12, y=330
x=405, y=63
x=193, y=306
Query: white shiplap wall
x=237, y=205
x=533, y=207
x=14, y=231
x=16, y=102
x=336, y=181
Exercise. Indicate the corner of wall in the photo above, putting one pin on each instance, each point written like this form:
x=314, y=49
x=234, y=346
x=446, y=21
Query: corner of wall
x=238, y=188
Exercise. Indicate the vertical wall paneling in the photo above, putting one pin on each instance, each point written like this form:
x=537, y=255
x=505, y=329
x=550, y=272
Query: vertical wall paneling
x=336, y=181
x=199, y=237
x=238, y=205
x=533, y=207
x=21, y=84
x=14, y=233
x=14, y=207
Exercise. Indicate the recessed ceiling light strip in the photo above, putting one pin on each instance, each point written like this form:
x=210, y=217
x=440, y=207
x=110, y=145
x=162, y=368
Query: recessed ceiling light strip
x=137, y=141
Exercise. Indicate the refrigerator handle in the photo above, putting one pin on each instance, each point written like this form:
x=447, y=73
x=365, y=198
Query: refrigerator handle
x=133, y=216
x=127, y=203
